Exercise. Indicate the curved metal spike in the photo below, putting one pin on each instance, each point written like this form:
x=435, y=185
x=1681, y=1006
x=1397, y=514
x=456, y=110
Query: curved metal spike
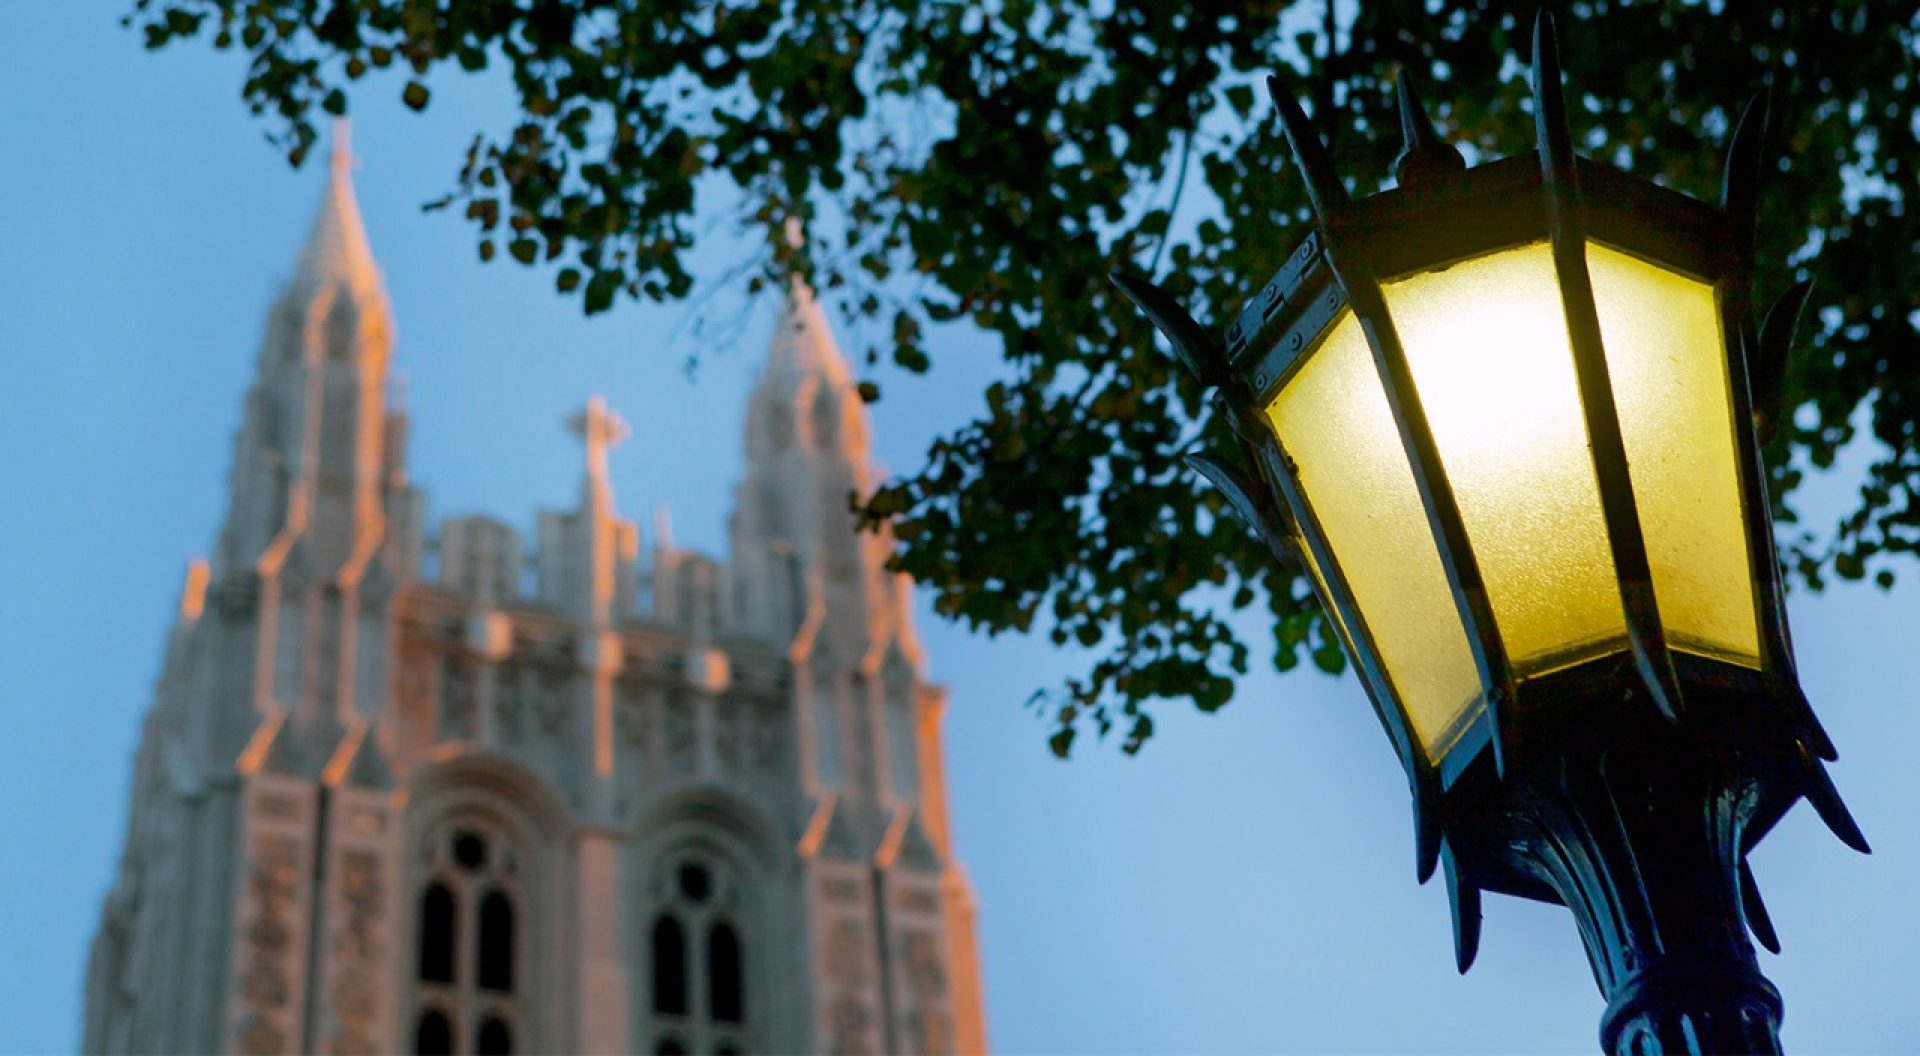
x=1756, y=911
x=1426, y=838
x=1426, y=156
x=1464, y=900
x=1812, y=735
x=1191, y=343
x=1740, y=181
x=1767, y=374
x=1826, y=802
x=1240, y=496
x=1324, y=191
x=1549, y=104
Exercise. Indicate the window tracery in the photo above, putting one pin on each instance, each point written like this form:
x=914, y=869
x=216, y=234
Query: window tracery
x=698, y=957
x=467, y=969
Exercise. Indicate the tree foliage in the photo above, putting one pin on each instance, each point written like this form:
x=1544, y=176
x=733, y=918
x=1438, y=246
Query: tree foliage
x=990, y=164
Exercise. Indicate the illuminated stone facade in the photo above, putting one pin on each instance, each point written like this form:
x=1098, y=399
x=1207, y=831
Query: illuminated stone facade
x=406, y=790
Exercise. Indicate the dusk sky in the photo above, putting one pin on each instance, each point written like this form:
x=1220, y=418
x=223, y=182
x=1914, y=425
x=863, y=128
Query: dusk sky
x=1245, y=885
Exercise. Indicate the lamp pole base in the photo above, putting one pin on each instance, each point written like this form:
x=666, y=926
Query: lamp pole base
x=1642, y=830
x=1693, y=1009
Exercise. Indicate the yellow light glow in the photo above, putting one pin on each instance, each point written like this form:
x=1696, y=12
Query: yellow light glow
x=1332, y=420
x=1667, y=356
x=1487, y=342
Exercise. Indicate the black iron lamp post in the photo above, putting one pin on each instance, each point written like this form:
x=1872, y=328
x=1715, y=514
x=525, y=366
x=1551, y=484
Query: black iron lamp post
x=1508, y=419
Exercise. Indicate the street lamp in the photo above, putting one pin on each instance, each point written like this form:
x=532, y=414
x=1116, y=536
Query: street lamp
x=1508, y=419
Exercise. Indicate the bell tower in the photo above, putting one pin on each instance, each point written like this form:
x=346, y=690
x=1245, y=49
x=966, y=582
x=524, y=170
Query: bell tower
x=889, y=912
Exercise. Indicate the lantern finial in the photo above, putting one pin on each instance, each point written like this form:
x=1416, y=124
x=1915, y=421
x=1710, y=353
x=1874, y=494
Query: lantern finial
x=1324, y=191
x=1740, y=184
x=1192, y=345
x=1426, y=155
x=1768, y=371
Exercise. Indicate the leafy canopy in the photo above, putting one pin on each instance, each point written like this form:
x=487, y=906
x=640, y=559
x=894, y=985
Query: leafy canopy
x=992, y=163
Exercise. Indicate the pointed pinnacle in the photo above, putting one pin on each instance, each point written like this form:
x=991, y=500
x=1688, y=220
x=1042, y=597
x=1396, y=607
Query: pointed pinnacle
x=1549, y=107
x=1758, y=921
x=1324, y=190
x=1464, y=900
x=1243, y=501
x=1192, y=345
x=1740, y=181
x=1832, y=810
x=1767, y=374
x=1426, y=156
x=1426, y=840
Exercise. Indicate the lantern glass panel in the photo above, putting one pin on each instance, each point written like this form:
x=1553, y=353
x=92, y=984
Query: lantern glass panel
x=1332, y=420
x=1667, y=357
x=1487, y=342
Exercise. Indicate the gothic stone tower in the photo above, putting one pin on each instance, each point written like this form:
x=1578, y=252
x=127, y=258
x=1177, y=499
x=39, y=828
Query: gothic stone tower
x=399, y=792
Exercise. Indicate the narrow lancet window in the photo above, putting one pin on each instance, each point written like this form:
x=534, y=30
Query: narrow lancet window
x=437, y=912
x=669, y=967
x=496, y=942
x=724, y=985
x=434, y=1034
x=496, y=1039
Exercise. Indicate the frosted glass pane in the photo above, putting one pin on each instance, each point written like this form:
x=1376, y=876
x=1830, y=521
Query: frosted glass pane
x=1332, y=420
x=1668, y=360
x=1487, y=342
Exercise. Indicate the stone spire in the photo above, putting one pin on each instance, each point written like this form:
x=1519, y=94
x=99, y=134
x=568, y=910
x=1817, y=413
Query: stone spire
x=321, y=525
x=311, y=456
x=337, y=251
x=807, y=451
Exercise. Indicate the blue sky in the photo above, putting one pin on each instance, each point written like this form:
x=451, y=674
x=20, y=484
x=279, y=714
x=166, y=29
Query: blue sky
x=1246, y=885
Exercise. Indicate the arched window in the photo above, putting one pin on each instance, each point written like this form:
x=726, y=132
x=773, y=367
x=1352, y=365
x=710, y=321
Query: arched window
x=700, y=954
x=433, y=1036
x=437, y=933
x=471, y=896
x=496, y=942
x=670, y=1046
x=495, y=1038
x=726, y=1002
x=669, y=967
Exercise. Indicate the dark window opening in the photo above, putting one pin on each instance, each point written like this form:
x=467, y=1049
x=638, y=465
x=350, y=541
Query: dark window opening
x=727, y=1048
x=669, y=967
x=470, y=850
x=433, y=1036
x=670, y=1046
x=694, y=882
x=496, y=942
x=495, y=1039
x=724, y=989
x=436, y=936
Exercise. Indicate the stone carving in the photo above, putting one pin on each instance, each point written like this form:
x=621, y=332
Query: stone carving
x=727, y=719
x=767, y=747
x=549, y=693
x=456, y=699
x=259, y=1036
x=847, y=953
x=266, y=985
x=630, y=715
x=914, y=900
x=357, y=951
x=680, y=734
x=510, y=702
x=840, y=889
x=276, y=806
x=928, y=1024
x=852, y=1027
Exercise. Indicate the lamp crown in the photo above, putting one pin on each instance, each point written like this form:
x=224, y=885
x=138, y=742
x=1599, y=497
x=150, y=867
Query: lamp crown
x=1426, y=155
